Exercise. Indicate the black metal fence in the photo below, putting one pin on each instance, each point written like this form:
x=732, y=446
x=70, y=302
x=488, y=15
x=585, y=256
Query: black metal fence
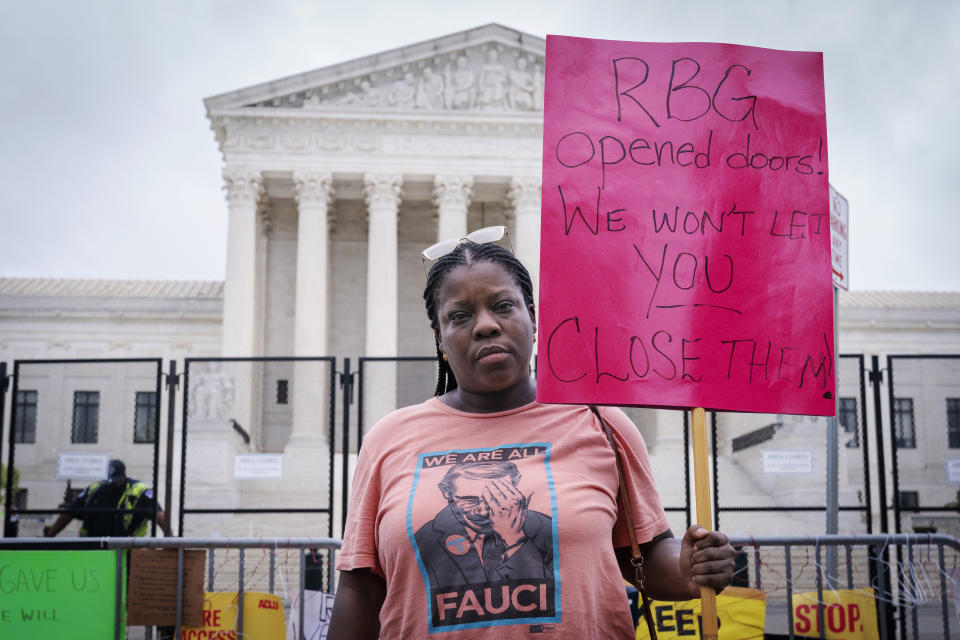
x=923, y=414
x=237, y=411
x=777, y=464
x=273, y=421
x=68, y=418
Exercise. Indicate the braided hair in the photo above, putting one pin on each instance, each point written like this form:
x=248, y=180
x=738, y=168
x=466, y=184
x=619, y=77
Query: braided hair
x=468, y=253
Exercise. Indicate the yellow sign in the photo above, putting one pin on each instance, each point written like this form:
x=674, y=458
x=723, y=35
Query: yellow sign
x=850, y=614
x=741, y=613
x=262, y=617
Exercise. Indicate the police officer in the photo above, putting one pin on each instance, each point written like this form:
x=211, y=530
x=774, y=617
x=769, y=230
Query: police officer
x=118, y=507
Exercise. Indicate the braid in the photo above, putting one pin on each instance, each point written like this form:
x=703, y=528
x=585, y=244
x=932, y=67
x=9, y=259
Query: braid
x=468, y=253
x=445, y=380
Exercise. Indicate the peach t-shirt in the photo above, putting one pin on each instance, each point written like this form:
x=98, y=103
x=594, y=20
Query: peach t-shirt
x=498, y=525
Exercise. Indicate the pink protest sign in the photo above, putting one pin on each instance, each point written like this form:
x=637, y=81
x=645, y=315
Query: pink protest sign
x=685, y=242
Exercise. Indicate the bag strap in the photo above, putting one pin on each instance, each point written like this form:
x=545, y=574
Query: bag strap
x=636, y=558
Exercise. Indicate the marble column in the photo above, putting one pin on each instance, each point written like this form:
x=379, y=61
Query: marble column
x=314, y=194
x=451, y=195
x=244, y=189
x=524, y=197
x=213, y=444
x=243, y=299
x=382, y=193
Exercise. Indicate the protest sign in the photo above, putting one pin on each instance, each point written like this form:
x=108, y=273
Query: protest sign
x=685, y=234
x=53, y=594
x=848, y=614
x=741, y=613
x=152, y=590
x=318, y=607
x=263, y=617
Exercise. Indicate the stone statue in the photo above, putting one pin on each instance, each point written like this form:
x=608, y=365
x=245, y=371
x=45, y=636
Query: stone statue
x=538, y=90
x=493, y=79
x=522, y=87
x=211, y=395
x=404, y=92
x=430, y=91
x=460, y=86
x=366, y=97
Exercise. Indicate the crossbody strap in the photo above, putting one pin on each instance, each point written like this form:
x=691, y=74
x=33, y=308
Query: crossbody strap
x=636, y=558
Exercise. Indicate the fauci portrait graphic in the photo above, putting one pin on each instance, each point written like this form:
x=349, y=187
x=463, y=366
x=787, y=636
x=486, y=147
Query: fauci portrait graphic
x=487, y=555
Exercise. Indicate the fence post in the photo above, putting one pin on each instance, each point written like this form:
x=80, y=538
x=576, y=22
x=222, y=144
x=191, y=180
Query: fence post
x=3, y=403
x=895, y=495
x=172, y=383
x=8, y=529
x=183, y=444
x=346, y=383
x=865, y=441
x=883, y=563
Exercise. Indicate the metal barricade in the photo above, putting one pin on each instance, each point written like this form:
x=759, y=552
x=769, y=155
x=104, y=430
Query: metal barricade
x=241, y=547
x=79, y=410
x=781, y=567
x=280, y=411
x=913, y=596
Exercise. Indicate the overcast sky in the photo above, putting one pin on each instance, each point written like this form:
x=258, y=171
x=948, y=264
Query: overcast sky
x=109, y=169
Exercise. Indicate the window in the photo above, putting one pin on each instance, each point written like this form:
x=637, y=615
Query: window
x=145, y=417
x=282, y=388
x=25, y=429
x=903, y=423
x=847, y=417
x=909, y=499
x=86, y=415
x=953, y=423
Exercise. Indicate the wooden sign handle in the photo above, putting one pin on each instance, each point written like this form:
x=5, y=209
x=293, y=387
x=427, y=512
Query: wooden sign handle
x=701, y=486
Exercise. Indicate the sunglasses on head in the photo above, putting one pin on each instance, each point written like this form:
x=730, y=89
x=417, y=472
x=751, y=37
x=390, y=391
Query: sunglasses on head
x=480, y=236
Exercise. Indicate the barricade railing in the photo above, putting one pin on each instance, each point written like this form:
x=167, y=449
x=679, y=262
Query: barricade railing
x=917, y=590
x=904, y=591
x=236, y=550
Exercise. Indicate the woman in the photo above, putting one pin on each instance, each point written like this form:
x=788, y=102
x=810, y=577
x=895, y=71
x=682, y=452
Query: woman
x=482, y=513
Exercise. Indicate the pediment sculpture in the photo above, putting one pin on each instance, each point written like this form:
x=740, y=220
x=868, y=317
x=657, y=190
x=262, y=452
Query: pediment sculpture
x=468, y=80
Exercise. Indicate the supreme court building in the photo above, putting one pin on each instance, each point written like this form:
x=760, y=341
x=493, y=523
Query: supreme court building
x=335, y=181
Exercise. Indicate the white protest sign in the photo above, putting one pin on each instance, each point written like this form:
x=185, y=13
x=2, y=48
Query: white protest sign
x=316, y=616
x=799, y=462
x=258, y=465
x=82, y=466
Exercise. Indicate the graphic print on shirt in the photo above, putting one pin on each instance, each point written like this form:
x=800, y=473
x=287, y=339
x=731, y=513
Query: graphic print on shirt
x=483, y=525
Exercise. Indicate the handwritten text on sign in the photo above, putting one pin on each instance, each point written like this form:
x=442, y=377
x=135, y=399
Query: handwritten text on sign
x=55, y=594
x=685, y=247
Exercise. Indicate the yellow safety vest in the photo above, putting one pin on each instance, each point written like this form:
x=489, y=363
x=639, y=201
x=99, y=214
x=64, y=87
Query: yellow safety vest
x=131, y=494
